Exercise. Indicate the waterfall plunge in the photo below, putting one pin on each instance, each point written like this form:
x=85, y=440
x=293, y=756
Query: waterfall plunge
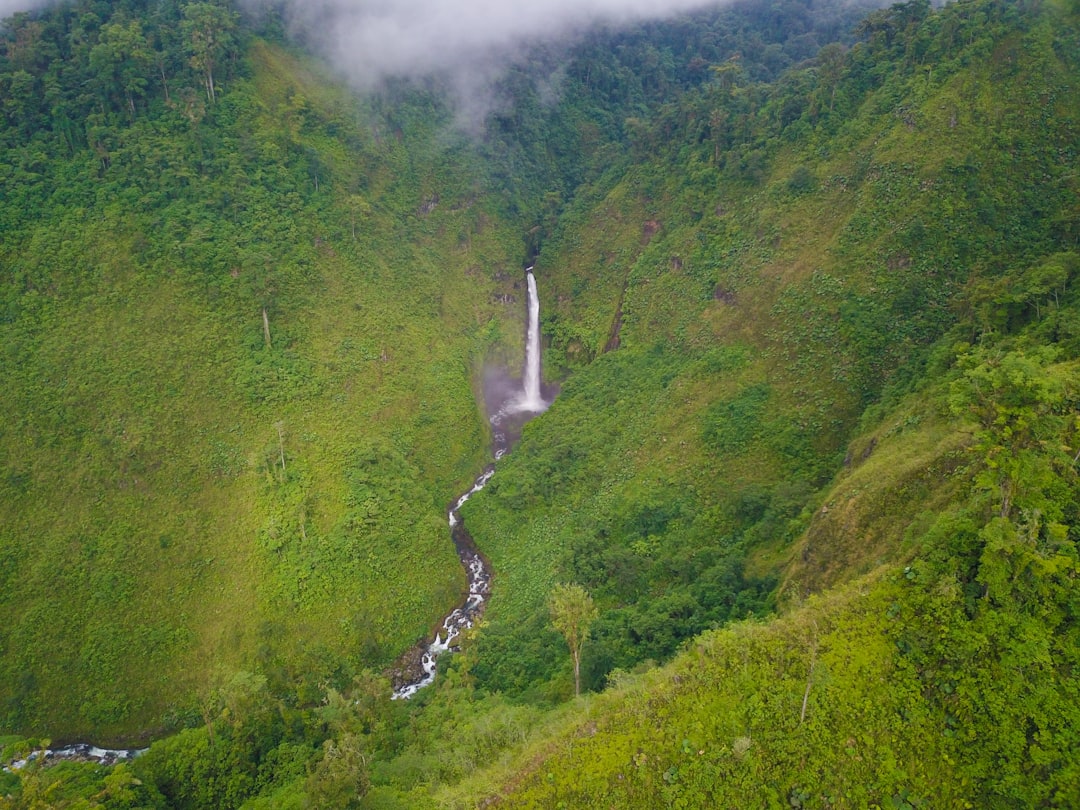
x=531, y=399
x=519, y=410
x=516, y=411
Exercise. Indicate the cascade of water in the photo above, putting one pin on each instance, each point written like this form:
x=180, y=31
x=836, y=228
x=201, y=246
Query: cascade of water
x=81, y=752
x=460, y=618
x=516, y=412
x=531, y=399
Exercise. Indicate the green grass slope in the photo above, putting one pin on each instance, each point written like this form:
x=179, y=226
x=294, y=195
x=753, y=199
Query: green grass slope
x=777, y=264
x=239, y=358
x=900, y=283
x=945, y=681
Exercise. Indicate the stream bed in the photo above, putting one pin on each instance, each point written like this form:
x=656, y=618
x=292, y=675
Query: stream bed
x=416, y=669
x=511, y=410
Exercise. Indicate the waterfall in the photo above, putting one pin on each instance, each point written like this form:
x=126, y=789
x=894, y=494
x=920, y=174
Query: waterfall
x=531, y=399
x=420, y=666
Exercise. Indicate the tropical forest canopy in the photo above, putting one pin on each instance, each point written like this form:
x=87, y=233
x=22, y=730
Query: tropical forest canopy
x=808, y=490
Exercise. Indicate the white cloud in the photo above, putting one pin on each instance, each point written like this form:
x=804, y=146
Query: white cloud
x=9, y=7
x=466, y=43
x=373, y=39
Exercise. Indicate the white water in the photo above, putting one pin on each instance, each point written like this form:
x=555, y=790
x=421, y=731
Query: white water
x=460, y=618
x=531, y=399
x=82, y=752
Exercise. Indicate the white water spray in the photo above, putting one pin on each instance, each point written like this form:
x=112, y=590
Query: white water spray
x=81, y=752
x=531, y=399
x=460, y=618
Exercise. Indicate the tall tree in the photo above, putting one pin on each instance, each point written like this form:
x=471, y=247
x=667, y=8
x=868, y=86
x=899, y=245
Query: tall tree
x=572, y=611
x=208, y=33
x=122, y=60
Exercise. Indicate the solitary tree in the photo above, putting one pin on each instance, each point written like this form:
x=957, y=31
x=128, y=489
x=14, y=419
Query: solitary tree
x=572, y=611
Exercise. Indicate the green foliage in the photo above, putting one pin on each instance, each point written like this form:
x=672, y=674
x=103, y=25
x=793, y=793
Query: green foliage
x=734, y=424
x=814, y=315
x=620, y=507
x=207, y=29
x=230, y=383
x=1025, y=411
x=572, y=613
x=807, y=275
x=340, y=778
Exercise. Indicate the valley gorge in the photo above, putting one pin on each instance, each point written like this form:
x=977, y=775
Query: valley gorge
x=809, y=310
x=417, y=669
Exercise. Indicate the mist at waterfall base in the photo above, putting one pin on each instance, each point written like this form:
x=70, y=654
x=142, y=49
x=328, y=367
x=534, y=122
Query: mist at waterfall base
x=509, y=403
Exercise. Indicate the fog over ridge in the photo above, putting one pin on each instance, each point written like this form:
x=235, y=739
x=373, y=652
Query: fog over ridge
x=9, y=7
x=466, y=43
x=373, y=39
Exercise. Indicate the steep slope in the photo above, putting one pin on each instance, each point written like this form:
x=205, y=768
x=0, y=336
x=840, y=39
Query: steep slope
x=733, y=307
x=818, y=341
x=239, y=341
x=949, y=681
x=240, y=323
x=916, y=269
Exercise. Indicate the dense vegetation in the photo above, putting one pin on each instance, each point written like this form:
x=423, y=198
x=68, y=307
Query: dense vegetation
x=238, y=339
x=756, y=323
x=815, y=317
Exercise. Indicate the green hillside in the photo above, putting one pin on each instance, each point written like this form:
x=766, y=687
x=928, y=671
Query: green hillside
x=238, y=399
x=812, y=316
x=764, y=319
x=857, y=354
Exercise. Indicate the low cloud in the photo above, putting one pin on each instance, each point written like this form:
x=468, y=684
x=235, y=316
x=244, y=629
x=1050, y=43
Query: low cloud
x=373, y=39
x=466, y=43
x=9, y=7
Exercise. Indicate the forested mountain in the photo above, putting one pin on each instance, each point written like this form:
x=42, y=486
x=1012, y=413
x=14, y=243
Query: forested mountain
x=807, y=273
